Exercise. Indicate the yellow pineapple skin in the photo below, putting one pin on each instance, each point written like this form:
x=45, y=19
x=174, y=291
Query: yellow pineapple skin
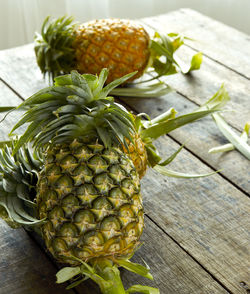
x=120, y=45
x=138, y=154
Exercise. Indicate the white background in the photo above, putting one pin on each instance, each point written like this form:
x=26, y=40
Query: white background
x=19, y=19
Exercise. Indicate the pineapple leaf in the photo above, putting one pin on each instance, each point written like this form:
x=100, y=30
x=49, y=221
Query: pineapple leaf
x=166, y=172
x=172, y=157
x=217, y=101
x=135, y=268
x=157, y=130
x=67, y=273
x=76, y=283
x=152, y=154
x=164, y=60
x=32, y=128
x=102, y=79
x=142, y=289
x=238, y=142
x=230, y=146
x=106, y=90
x=154, y=90
x=195, y=63
x=7, y=108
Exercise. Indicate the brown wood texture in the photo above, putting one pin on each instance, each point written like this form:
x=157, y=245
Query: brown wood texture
x=24, y=267
x=197, y=231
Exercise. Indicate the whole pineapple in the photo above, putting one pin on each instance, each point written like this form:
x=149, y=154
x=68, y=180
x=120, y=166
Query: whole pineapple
x=121, y=45
x=88, y=190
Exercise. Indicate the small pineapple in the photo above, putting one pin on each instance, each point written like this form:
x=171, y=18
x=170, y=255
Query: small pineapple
x=121, y=45
x=88, y=190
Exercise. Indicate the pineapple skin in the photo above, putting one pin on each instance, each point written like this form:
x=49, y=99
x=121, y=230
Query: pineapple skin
x=91, y=199
x=138, y=154
x=120, y=45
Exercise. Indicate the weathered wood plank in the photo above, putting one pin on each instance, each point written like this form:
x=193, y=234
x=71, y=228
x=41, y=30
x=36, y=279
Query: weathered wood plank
x=7, y=98
x=24, y=268
x=222, y=43
x=169, y=263
x=208, y=217
x=18, y=68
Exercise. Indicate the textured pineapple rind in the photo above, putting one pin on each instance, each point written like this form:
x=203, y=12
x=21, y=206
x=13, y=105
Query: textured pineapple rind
x=120, y=45
x=90, y=196
x=138, y=154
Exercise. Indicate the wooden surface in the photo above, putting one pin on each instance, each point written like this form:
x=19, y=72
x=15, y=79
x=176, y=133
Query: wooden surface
x=197, y=234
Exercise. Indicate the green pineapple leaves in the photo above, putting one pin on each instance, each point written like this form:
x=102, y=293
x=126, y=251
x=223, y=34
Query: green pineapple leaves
x=151, y=130
x=53, y=47
x=76, y=106
x=18, y=178
x=105, y=273
x=164, y=60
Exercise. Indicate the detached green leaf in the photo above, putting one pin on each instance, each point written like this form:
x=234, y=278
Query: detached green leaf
x=166, y=172
x=154, y=90
x=218, y=101
x=142, y=289
x=195, y=63
x=76, y=283
x=236, y=140
x=67, y=273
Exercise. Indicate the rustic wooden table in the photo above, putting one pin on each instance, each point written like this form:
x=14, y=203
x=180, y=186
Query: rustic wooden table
x=197, y=234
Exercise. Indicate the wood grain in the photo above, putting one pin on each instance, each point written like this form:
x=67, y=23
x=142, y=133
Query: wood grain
x=220, y=42
x=208, y=217
x=24, y=268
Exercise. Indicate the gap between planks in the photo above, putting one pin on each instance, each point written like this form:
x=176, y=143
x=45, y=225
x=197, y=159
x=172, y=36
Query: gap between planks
x=12, y=89
x=190, y=255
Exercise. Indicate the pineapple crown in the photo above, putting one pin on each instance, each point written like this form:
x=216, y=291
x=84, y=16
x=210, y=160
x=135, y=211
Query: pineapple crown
x=77, y=106
x=53, y=47
x=18, y=178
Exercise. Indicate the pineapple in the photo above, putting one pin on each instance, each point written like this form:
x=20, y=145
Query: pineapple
x=121, y=45
x=88, y=189
x=90, y=196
